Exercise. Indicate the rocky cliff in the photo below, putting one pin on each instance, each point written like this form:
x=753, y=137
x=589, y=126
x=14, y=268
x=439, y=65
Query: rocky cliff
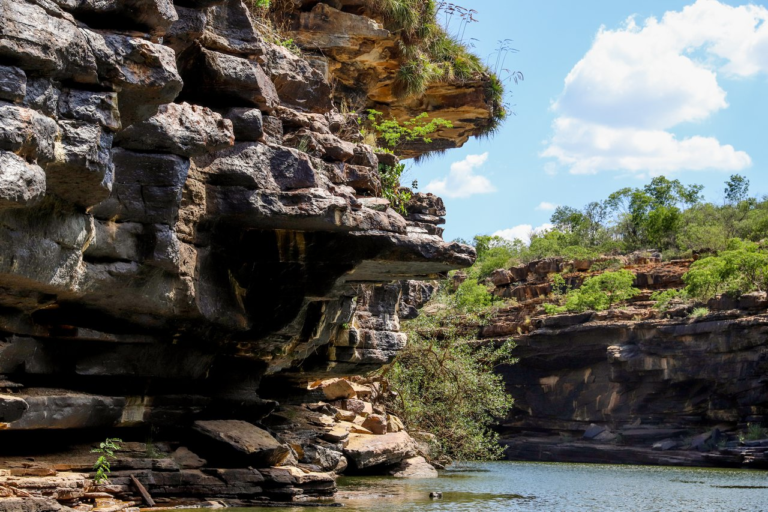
x=189, y=228
x=632, y=384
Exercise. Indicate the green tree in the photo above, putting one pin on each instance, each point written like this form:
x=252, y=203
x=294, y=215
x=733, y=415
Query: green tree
x=741, y=268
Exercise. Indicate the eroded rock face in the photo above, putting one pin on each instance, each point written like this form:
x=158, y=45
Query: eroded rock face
x=171, y=250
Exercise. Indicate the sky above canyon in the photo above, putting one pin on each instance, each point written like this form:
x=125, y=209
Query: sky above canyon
x=614, y=94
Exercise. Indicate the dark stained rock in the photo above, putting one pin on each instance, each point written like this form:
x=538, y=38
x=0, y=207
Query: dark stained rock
x=187, y=29
x=94, y=107
x=214, y=78
x=181, y=129
x=43, y=95
x=21, y=183
x=152, y=15
x=247, y=123
x=13, y=83
x=230, y=29
x=143, y=72
x=11, y=408
x=40, y=37
x=298, y=84
x=147, y=187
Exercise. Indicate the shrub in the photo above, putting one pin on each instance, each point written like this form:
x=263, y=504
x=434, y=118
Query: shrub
x=663, y=298
x=102, y=466
x=598, y=293
x=742, y=268
x=448, y=387
x=699, y=312
x=472, y=295
x=391, y=189
x=394, y=133
x=756, y=432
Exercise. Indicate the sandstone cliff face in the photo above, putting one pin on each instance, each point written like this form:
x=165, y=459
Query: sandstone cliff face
x=164, y=245
x=609, y=386
x=350, y=44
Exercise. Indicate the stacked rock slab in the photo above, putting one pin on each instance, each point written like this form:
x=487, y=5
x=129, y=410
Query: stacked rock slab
x=182, y=215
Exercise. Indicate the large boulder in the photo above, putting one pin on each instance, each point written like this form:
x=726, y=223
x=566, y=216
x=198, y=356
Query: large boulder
x=366, y=451
x=414, y=468
x=246, y=438
x=181, y=129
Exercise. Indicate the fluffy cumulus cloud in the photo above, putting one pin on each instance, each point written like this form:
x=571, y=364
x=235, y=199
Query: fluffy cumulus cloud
x=638, y=82
x=522, y=232
x=462, y=180
x=546, y=207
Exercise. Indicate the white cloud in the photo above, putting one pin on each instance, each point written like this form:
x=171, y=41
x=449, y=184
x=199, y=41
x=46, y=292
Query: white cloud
x=522, y=232
x=545, y=206
x=462, y=180
x=637, y=82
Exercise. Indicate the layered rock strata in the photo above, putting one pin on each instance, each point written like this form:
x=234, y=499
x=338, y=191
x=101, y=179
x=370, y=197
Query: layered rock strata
x=632, y=384
x=186, y=228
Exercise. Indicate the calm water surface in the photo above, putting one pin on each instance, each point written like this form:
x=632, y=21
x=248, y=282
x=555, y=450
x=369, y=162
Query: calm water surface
x=500, y=486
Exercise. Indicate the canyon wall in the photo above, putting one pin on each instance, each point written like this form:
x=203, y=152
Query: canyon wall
x=190, y=232
x=632, y=384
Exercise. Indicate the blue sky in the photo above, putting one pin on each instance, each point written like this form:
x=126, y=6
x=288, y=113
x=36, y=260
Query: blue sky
x=680, y=95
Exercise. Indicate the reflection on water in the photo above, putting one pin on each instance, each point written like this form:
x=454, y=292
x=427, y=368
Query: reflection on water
x=502, y=486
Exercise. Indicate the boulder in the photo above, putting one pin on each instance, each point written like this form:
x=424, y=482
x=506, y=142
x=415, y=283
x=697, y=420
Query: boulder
x=246, y=438
x=334, y=389
x=214, y=78
x=186, y=459
x=376, y=423
x=414, y=468
x=181, y=129
x=394, y=424
x=186, y=30
x=21, y=183
x=366, y=451
x=247, y=123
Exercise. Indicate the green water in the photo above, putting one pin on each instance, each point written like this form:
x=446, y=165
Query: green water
x=524, y=486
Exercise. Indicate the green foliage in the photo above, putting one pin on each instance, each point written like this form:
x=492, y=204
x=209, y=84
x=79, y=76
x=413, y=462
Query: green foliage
x=445, y=382
x=394, y=134
x=102, y=466
x=493, y=253
x=597, y=293
x=390, y=187
x=664, y=215
x=699, y=312
x=755, y=432
x=609, y=264
x=472, y=295
x=741, y=268
x=663, y=298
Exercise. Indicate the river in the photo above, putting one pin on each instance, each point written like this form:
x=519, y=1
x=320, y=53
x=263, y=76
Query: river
x=500, y=486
